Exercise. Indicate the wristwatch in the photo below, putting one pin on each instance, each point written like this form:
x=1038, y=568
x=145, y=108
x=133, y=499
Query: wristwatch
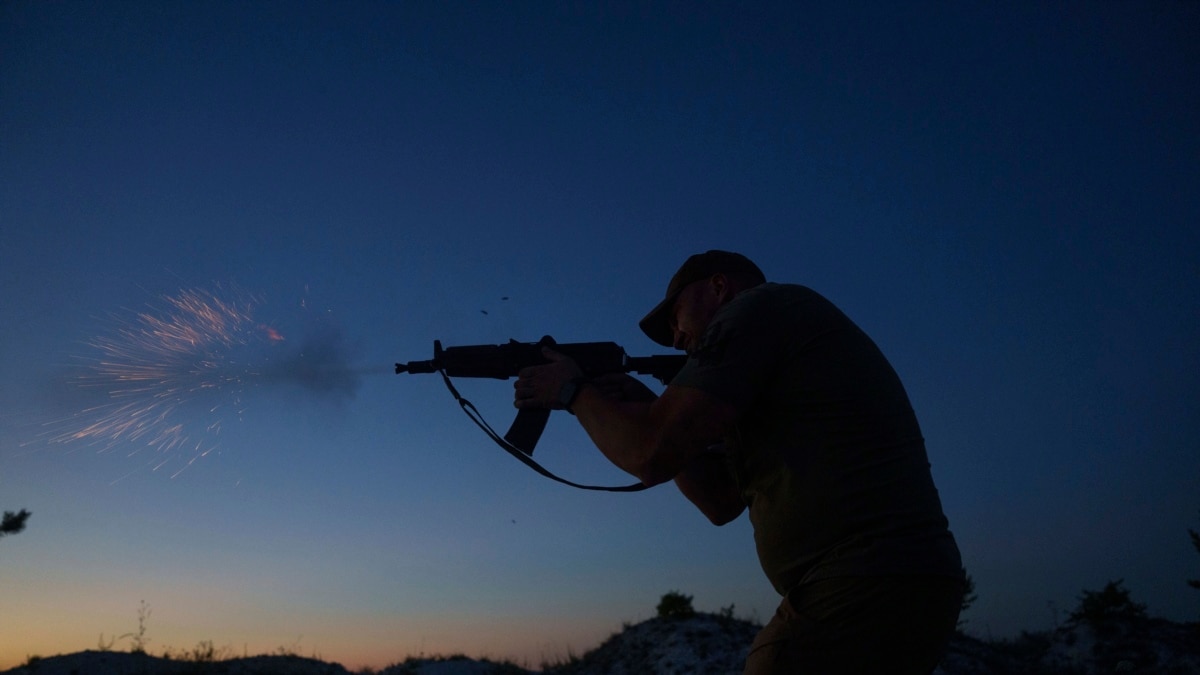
x=566, y=395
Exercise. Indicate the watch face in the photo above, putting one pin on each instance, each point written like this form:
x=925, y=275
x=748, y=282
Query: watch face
x=567, y=393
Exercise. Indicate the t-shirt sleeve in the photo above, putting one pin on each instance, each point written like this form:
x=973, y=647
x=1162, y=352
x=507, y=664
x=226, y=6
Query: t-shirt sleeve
x=737, y=354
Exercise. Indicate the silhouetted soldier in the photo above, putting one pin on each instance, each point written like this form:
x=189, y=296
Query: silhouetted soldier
x=787, y=408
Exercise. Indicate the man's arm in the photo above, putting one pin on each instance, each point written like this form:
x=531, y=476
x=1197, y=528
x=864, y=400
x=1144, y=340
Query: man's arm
x=668, y=439
x=655, y=440
x=706, y=480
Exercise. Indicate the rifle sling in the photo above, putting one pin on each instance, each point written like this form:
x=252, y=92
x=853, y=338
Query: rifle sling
x=477, y=418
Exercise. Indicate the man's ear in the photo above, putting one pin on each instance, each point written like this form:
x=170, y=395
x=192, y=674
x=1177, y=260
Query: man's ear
x=721, y=287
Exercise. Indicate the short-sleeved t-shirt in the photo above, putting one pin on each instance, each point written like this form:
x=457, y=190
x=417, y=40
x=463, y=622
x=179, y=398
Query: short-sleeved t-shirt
x=826, y=450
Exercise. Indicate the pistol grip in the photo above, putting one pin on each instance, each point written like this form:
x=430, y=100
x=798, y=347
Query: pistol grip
x=527, y=428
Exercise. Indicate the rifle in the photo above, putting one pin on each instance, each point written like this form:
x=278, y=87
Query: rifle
x=507, y=360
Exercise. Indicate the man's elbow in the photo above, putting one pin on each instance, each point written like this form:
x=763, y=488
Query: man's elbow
x=651, y=474
x=724, y=514
x=719, y=500
x=660, y=465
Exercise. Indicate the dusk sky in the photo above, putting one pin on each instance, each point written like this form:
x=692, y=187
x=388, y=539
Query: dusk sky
x=1005, y=196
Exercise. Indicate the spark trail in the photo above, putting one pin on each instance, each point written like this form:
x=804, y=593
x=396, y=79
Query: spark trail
x=170, y=376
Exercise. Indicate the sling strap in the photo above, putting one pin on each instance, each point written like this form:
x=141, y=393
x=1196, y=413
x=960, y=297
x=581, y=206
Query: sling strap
x=473, y=413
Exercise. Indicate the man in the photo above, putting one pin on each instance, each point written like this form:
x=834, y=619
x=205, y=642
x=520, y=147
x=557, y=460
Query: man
x=787, y=408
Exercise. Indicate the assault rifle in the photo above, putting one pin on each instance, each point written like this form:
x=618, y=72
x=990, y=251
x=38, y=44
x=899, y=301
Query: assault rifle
x=507, y=360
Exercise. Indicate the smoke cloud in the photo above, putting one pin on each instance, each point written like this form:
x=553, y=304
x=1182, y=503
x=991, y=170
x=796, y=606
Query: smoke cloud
x=321, y=362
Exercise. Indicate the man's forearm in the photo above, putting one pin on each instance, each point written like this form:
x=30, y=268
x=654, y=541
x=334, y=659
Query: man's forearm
x=631, y=437
x=627, y=433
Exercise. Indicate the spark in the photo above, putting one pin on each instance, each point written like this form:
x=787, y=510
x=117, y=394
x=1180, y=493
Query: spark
x=168, y=374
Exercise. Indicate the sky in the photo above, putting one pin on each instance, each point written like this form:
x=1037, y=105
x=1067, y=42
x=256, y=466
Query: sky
x=1005, y=196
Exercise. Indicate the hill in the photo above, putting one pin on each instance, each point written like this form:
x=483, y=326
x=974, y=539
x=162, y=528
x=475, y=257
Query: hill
x=710, y=644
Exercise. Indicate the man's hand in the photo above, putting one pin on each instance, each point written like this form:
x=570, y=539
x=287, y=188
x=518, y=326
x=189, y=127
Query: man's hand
x=539, y=386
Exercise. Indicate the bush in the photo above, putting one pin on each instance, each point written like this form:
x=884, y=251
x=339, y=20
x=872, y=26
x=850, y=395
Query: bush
x=675, y=605
x=1194, y=583
x=1104, y=611
x=969, y=599
x=13, y=523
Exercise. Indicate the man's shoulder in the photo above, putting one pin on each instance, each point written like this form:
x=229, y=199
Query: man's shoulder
x=771, y=296
x=781, y=313
x=774, y=289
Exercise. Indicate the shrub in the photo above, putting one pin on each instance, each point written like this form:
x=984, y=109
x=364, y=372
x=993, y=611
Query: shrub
x=1194, y=583
x=13, y=523
x=1106, y=610
x=675, y=605
x=138, y=640
x=968, y=599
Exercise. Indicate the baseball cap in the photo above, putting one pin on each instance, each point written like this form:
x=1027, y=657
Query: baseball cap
x=657, y=325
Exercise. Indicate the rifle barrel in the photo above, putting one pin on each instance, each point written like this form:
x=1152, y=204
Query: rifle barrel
x=417, y=367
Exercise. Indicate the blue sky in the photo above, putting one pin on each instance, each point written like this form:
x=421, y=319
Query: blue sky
x=1004, y=195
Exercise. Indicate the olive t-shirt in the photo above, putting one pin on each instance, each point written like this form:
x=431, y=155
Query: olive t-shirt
x=826, y=450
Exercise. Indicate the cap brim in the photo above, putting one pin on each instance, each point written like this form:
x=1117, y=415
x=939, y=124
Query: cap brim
x=657, y=325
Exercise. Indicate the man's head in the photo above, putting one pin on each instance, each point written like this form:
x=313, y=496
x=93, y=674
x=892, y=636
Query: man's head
x=703, y=283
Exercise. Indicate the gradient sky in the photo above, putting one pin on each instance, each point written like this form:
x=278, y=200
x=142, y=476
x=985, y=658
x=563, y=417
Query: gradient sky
x=1004, y=195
